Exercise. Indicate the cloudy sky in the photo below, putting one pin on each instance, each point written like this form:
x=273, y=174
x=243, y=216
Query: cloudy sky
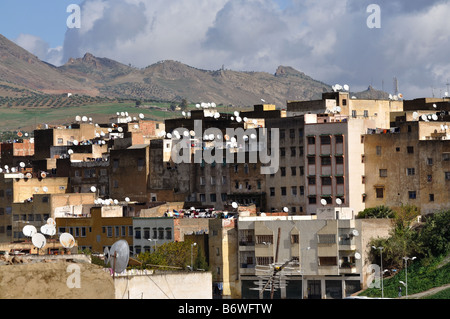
x=330, y=40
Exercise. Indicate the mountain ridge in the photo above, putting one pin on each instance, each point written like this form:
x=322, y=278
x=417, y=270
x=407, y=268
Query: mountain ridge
x=166, y=80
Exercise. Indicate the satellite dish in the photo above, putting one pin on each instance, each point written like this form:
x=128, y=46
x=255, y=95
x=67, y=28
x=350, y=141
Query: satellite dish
x=67, y=240
x=415, y=115
x=183, y=113
x=141, y=116
x=239, y=119
x=51, y=221
x=38, y=240
x=78, y=118
x=236, y=113
x=127, y=199
x=235, y=205
x=346, y=87
x=285, y=209
x=357, y=256
x=84, y=118
x=49, y=230
x=434, y=117
x=29, y=175
x=22, y=164
x=29, y=230
x=93, y=189
x=400, y=95
x=75, y=142
x=197, y=106
x=323, y=202
x=355, y=232
x=119, y=255
x=424, y=117
x=45, y=189
x=120, y=129
x=338, y=201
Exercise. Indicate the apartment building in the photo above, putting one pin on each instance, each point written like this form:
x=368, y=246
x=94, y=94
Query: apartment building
x=409, y=165
x=324, y=257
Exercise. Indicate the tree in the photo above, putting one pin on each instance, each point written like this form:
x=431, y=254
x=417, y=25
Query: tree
x=435, y=235
x=184, y=104
x=377, y=212
x=173, y=254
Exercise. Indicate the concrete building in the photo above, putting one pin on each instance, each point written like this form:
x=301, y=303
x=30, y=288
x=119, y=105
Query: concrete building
x=410, y=165
x=149, y=233
x=325, y=257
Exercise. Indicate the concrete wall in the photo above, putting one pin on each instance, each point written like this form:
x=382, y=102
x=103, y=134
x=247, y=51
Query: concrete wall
x=194, y=285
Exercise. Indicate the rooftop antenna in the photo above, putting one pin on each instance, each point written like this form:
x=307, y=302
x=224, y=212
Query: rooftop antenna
x=395, y=85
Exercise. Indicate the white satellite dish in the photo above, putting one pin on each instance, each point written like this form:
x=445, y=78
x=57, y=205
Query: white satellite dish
x=338, y=201
x=197, y=106
x=93, y=189
x=45, y=189
x=141, y=116
x=192, y=133
x=119, y=255
x=127, y=199
x=48, y=230
x=75, y=142
x=120, y=129
x=22, y=164
x=236, y=113
x=78, y=118
x=84, y=118
x=415, y=115
x=38, y=240
x=183, y=113
x=116, y=202
x=355, y=233
x=234, y=205
x=424, y=117
x=434, y=105
x=346, y=87
x=239, y=119
x=285, y=209
x=323, y=202
x=67, y=240
x=29, y=230
x=357, y=256
x=434, y=117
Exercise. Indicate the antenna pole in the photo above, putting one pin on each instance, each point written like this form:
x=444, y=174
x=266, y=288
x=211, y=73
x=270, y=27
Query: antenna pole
x=114, y=265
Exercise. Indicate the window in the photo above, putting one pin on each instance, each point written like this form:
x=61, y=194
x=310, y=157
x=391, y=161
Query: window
x=339, y=159
x=264, y=239
x=383, y=172
x=160, y=233
x=311, y=140
x=109, y=231
x=311, y=180
x=339, y=180
x=354, y=113
x=300, y=133
x=168, y=233
x=213, y=198
x=327, y=239
x=137, y=233
x=283, y=191
x=116, y=163
x=325, y=140
x=429, y=161
x=202, y=198
x=326, y=180
x=224, y=197
x=379, y=150
x=292, y=133
x=366, y=113
x=302, y=171
x=293, y=152
x=302, y=190
x=283, y=171
x=213, y=180
x=410, y=149
x=380, y=192
x=410, y=171
x=447, y=176
x=272, y=191
x=300, y=150
x=412, y=194
x=60, y=141
x=312, y=200
x=339, y=139
x=326, y=160
x=282, y=134
x=140, y=163
x=429, y=178
x=446, y=156
x=146, y=233
x=311, y=160
x=282, y=152
x=294, y=190
x=294, y=171
x=431, y=197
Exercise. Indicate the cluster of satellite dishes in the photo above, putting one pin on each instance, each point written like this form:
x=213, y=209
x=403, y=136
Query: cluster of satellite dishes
x=124, y=115
x=324, y=202
x=108, y=201
x=204, y=105
x=429, y=117
x=49, y=229
x=339, y=88
x=237, y=117
x=395, y=97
